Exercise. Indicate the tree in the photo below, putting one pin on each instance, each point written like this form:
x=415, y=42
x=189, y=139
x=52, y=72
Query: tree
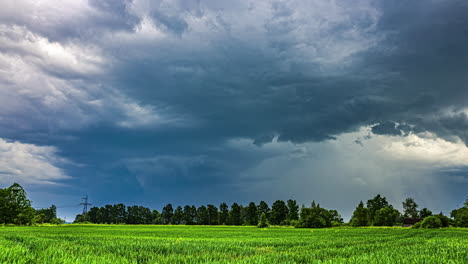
x=293, y=210
x=460, y=215
x=315, y=217
x=121, y=213
x=360, y=216
x=410, y=208
x=264, y=208
x=223, y=216
x=375, y=204
x=178, y=215
x=189, y=214
x=251, y=217
x=279, y=212
x=212, y=214
x=425, y=213
x=15, y=208
x=49, y=213
x=235, y=215
x=167, y=213
x=202, y=215
x=336, y=217
x=386, y=216
x=263, y=221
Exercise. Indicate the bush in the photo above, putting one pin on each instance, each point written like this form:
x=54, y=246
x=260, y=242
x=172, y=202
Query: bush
x=263, y=222
x=431, y=222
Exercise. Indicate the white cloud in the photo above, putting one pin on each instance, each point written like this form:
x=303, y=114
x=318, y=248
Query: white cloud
x=339, y=173
x=30, y=164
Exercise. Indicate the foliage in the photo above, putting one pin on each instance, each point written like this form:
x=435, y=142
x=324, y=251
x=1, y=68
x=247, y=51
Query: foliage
x=279, y=212
x=263, y=221
x=460, y=215
x=293, y=210
x=315, y=217
x=235, y=215
x=410, y=208
x=387, y=216
x=375, y=204
x=431, y=222
x=251, y=214
x=15, y=208
x=360, y=216
x=425, y=213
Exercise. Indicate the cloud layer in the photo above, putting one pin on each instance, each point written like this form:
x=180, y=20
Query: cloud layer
x=182, y=96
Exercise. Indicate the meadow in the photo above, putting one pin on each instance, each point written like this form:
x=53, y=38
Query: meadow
x=222, y=244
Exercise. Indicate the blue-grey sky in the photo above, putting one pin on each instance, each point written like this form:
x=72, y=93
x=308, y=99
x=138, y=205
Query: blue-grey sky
x=205, y=101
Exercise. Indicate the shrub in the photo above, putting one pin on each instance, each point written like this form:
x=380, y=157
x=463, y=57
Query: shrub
x=431, y=222
x=263, y=222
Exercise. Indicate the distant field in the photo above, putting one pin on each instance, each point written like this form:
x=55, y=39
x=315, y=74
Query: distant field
x=200, y=244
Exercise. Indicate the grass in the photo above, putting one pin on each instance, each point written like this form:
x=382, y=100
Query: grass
x=203, y=244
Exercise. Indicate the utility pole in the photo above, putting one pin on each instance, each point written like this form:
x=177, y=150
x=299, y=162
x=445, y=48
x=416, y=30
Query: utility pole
x=85, y=204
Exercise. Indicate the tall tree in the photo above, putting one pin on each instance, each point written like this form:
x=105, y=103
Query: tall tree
x=167, y=213
x=410, y=208
x=293, y=210
x=178, y=215
x=375, y=204
x=202, y=215
x=212, y=214
x=279, y=212
x=189, y=214
x=264, y=208
x=360, y=216
x=223, y=217
x=251, y=217
x=235, y=217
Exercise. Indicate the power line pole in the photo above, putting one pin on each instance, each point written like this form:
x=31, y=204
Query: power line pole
x=85, y=204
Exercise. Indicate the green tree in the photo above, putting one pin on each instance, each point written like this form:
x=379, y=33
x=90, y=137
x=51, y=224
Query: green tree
x=460, y=215
x=336, y=217
x=264, y=208
x=212, y=214
x=178, y=215
x=315, y=217
x=190, y=213
x=375, y=204
x=279, y=212
x=410, y=208
x=15, y=208
x=235, y=217
x=293, y=210
x=251, y=217
x=167, y=213
x=263, y=221
x=360, y=216
x=425, y=213
x=202, y=215
x=386, y=216
x=223, y=216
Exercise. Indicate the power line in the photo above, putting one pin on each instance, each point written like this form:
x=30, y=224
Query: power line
x=85, y=204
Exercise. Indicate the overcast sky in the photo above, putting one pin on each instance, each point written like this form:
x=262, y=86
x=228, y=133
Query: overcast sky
x=204, y=101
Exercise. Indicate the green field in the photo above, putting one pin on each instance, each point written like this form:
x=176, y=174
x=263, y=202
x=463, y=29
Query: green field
x=200, y=244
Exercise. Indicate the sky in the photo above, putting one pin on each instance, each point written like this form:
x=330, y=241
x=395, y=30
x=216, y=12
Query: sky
x=204, y=101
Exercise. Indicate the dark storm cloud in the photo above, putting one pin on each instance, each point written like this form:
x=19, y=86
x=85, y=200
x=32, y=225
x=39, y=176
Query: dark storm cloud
x=154, y=93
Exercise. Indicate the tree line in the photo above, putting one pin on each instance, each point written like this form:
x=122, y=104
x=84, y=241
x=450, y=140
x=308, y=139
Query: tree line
x=15, y=208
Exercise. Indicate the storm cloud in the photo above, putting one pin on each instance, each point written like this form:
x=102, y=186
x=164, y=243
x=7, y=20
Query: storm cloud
x=169, y=100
